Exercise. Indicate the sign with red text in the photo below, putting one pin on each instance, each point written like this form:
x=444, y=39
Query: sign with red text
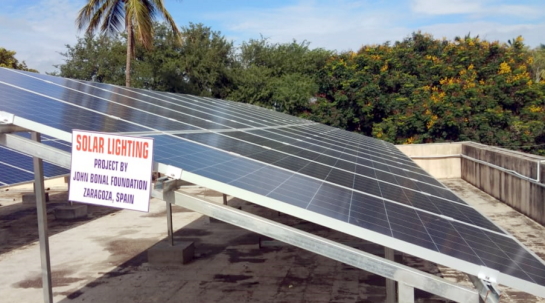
x=111, y=170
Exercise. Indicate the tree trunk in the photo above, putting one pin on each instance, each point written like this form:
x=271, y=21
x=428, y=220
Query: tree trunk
x=129, y=53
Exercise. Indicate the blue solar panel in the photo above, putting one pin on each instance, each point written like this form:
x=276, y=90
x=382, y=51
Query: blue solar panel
x=350, y=178
x=16, y=167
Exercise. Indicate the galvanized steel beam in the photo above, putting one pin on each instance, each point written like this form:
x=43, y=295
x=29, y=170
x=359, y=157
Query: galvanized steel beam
x=342, y=253
x=36, y=149
x=39, y=192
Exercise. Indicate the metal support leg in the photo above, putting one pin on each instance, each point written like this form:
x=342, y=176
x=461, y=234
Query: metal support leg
x=39, y=191
x=488, y=292
x=224, y=199
x=169, y=186
x=405, y=293
x=390, y=284
x=330, y=249
x=169, y=224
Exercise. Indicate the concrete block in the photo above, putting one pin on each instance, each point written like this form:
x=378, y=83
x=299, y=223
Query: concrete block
x=71, y=212
x=31, y=198
x=162, y=253
x=212, y=220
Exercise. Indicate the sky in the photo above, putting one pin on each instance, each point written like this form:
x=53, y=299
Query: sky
x=39, y=30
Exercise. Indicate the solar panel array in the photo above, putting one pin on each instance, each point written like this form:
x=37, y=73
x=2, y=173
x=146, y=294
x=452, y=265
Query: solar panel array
x=354, y=179
x=16, y=167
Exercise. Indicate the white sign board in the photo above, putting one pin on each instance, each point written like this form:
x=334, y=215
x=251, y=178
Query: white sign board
x=111, y=170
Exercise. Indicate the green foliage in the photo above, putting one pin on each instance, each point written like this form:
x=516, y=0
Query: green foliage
x=279, y=76
x=100, y=59
x=425, y=90
x=417, y=90
x=8, y=60
x=135, y=18
x=200, y=65
x=537, y=63
x=206, y=61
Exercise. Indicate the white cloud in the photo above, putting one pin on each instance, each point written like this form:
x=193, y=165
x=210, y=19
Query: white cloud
x=446, y=7
x=40, y=32
x=491, y=31
x=346, y=26
x=475, y=8
x=522, y=11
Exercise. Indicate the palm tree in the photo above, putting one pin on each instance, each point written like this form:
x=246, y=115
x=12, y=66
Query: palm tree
x=135, y=17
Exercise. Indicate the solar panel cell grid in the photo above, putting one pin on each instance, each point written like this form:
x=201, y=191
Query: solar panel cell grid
x=12, y=175
x=58, y=115
x=17, y=168
x=353, y=179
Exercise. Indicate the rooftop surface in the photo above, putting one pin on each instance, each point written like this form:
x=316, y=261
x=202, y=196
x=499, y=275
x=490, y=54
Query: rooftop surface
x=103, y=258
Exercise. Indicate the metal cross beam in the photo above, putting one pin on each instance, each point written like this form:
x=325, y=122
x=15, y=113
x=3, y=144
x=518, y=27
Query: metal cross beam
x=37, y=149
x=410, y=277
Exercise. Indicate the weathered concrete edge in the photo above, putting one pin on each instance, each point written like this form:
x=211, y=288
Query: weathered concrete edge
x=523, y=194
x=513, y=187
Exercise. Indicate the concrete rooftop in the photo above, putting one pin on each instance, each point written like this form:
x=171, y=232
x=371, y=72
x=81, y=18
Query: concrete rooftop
x=103, y=258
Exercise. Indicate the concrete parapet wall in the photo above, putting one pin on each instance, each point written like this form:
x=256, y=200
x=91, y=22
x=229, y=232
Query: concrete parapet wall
x=441, y=160
x=522, y=194
x=504, y=174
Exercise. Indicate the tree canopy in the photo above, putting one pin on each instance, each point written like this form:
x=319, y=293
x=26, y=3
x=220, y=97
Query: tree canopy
x=422, y=90
x=133, y=17
x=8, y=60
x=279, y=76
x=418, y=90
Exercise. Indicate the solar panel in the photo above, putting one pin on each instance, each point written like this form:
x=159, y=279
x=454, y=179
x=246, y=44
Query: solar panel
x=16, y=167
x=366, y=187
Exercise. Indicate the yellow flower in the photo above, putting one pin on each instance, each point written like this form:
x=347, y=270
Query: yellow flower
x=469, y=85
x=504, y=68
x=432, y=121
x=535, y=109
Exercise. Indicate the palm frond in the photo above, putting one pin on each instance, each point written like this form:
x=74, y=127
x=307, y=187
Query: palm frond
x=136, y=17
x=141, y=20
x=113, y=21
x=158, y=4
x=91, y=14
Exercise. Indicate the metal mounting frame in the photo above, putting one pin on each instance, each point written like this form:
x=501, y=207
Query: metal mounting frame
x=409, y=277
x=36, y=149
